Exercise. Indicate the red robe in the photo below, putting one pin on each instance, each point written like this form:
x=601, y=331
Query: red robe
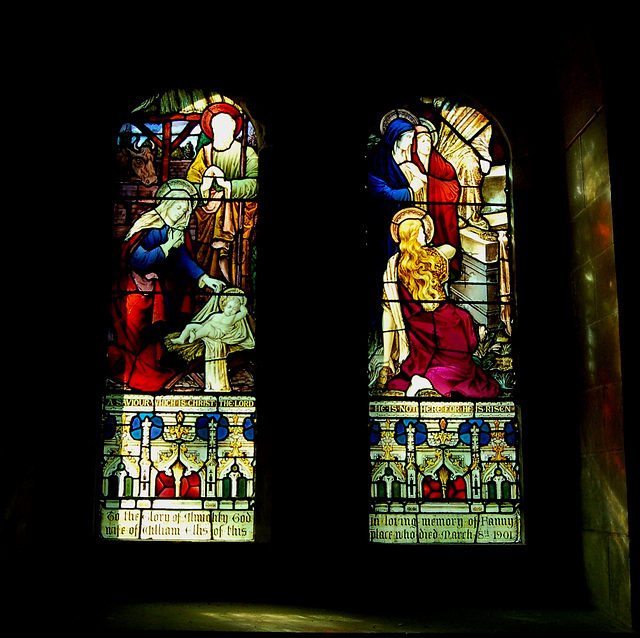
x=443, y=193
x=139, y=311
x=441, y=345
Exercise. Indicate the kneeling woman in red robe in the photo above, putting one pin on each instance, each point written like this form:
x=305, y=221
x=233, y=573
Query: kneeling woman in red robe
x=157, y=269
x=428, y=341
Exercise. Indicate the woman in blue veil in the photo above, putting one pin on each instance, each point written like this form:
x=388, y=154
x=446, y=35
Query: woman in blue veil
x=388, y=188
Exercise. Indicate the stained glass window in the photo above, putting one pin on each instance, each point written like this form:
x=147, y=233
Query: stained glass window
x=443, y=414
x=179, y=423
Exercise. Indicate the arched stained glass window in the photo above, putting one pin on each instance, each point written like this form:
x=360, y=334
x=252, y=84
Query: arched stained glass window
x=443, y=414
x=179, y=405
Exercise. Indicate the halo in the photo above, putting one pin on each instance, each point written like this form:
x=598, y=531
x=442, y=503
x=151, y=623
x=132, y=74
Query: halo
x=229, y=293
x=214, y=109
x=176, y=185
x=394, y=115
x=412, y=213
x=430, y=128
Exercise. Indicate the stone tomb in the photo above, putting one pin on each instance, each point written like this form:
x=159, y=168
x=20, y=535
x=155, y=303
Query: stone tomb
x=479, y=288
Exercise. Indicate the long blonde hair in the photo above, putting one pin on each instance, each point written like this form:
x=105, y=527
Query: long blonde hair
x=421, y=269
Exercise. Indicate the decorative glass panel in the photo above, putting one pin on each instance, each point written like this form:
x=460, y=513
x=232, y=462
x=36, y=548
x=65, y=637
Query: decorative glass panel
x=179, y=406
x=443, y=417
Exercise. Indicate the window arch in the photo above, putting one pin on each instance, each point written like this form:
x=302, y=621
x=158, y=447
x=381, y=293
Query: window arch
x=179, y=406
x=443, y=409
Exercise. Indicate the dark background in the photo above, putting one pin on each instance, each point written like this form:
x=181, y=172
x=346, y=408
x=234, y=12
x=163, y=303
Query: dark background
x=317, y=99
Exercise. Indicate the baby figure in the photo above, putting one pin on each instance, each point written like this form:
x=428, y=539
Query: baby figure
x=222, y=327
x=217, y=324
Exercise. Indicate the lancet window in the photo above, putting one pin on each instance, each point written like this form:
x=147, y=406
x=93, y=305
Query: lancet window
x=178, y=457
x=444, y=422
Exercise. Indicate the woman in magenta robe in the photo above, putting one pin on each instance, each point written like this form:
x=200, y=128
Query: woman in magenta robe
x=152, y=293
x=428, y=341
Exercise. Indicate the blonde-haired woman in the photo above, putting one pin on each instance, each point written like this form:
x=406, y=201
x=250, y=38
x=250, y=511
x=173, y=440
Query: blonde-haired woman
x=428, y=341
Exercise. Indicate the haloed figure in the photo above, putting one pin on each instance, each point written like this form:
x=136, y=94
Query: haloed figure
x=442, y=189
x=226, y=173
x=428, y=341
x=222, y=328
x=155, y=287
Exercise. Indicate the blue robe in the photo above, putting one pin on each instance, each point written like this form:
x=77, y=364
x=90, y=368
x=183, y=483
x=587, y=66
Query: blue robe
x=148, y=256
x=151, y=297
x=389, y=191
x=385, y=177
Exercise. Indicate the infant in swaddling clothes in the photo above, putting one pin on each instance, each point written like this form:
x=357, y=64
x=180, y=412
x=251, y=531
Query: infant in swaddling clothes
x=217, y=324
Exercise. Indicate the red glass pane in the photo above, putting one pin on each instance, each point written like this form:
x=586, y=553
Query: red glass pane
x=165, y=486
x=190, y=486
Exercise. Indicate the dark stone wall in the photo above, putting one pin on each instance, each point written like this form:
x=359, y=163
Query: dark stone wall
x=313, y=473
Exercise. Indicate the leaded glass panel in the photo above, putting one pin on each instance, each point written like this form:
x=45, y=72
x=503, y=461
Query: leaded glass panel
x=179, y=406
x=443, y=415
